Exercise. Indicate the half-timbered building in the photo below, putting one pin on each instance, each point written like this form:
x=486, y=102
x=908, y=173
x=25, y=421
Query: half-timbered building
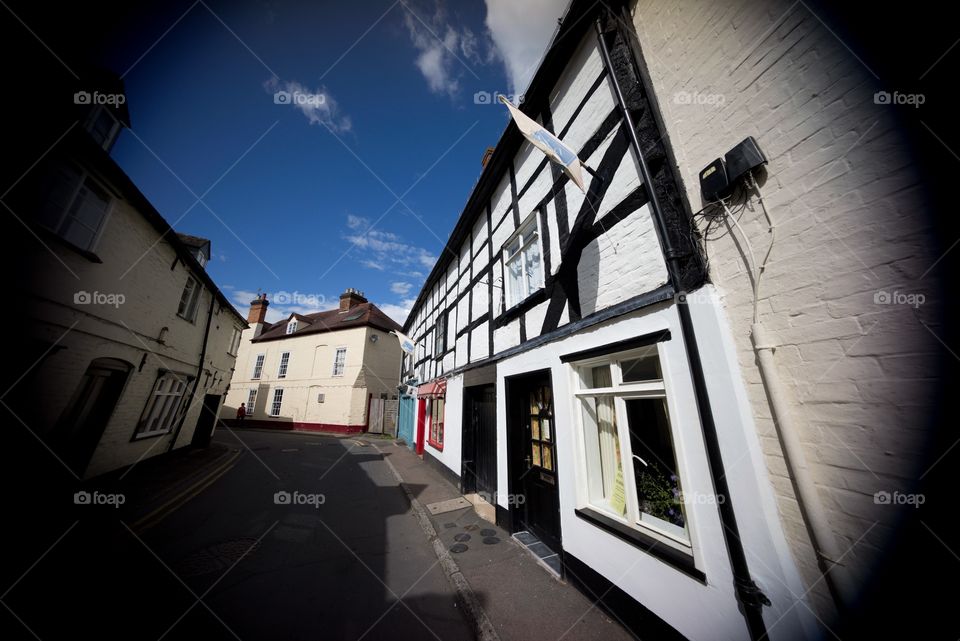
x=579, y=377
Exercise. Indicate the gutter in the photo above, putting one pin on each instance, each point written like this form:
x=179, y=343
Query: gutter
x=748, y=594
x=196, y=380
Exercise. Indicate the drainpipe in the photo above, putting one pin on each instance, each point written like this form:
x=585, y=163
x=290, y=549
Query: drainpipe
x=824, y=542
x=196, y=381
x=748, y=594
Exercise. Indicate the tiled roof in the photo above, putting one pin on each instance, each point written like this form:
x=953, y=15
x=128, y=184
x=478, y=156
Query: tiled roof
x=364, y=314
x=192, y=241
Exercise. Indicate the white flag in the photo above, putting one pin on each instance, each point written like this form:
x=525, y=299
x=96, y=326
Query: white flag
x=546, y=142
x=406, y=344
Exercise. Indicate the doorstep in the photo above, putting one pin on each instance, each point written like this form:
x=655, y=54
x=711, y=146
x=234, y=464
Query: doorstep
x=482, y=507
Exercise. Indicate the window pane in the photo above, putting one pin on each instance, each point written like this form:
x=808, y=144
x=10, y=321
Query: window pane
x=185, y=297
x=513, y=247
x=535, y=427
x=604, y=465
x=654, y=462
x=547, y=457
x=515, y=281
x=643, y=368
x=90, y=205
x=531, y=257
x=596, y=377
x=536, y=454
x=77, y=234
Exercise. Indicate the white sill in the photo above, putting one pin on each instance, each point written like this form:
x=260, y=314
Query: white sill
x=680, y=544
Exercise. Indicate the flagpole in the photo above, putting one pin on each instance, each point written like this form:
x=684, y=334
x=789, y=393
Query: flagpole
x=591, y=171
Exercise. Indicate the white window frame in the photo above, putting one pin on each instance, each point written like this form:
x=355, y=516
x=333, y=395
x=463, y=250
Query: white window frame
x=276, y=402
x=251, y=401
x=165, y=405
x=64, y=214
x=257, y=372
x=292, y=326
x=621, y=392
x=515, y=298
x=111, y=138
x=189, y=313
x=339, y=364
x=284, y=365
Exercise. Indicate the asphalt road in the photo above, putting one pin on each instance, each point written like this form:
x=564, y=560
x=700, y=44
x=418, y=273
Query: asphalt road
x=337, y=555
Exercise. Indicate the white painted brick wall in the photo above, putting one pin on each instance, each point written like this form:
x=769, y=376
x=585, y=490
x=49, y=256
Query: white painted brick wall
x=847, y=207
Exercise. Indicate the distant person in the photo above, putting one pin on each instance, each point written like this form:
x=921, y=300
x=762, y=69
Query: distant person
x=241, y=412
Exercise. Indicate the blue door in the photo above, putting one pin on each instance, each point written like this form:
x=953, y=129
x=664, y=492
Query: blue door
x=407, y=420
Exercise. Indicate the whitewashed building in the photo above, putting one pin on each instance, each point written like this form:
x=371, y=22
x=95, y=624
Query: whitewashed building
x=330, y=371
x=127, y=344
x=578, y=352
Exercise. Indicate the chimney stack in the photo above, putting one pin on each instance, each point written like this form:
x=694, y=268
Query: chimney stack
x=486, y=157
x=258, y=309
x=350, y=299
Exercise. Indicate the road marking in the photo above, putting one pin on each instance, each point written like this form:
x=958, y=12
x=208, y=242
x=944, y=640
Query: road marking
x=169, y=507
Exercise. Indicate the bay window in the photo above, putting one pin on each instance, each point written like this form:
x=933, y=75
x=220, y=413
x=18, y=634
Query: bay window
x=632, y=475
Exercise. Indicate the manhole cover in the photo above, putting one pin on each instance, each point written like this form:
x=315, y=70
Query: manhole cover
x=461, y=537
x=215, y=558
x=449, y=525
x=470, y=528
x=491, y=540
x=457, y=548
x=488, y=532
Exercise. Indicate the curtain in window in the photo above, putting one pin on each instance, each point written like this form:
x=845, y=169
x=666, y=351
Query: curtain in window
x=607, y=430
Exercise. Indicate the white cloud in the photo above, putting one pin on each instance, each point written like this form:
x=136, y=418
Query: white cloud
x=317, y=105
x=401, y=288
x=283, y=303
x=443, y=49
x=398, y=311
x=521, y=32
x=385, y=250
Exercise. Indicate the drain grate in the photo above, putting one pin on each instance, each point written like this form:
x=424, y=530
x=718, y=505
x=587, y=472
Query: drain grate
x=216, y=558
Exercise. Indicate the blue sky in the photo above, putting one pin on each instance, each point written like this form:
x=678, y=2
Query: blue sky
x=301, y=201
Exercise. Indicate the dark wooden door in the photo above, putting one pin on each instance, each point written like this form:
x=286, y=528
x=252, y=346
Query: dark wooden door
x=207, y=420
x=78, y=432
x=479, y=468
x=535, y=457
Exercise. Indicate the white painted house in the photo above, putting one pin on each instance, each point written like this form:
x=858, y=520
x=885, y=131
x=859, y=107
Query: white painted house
x=127, y=345
x=579, y=351
x=320, y=372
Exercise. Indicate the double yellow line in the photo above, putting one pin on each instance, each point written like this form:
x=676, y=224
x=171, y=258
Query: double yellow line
x=180, y=499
